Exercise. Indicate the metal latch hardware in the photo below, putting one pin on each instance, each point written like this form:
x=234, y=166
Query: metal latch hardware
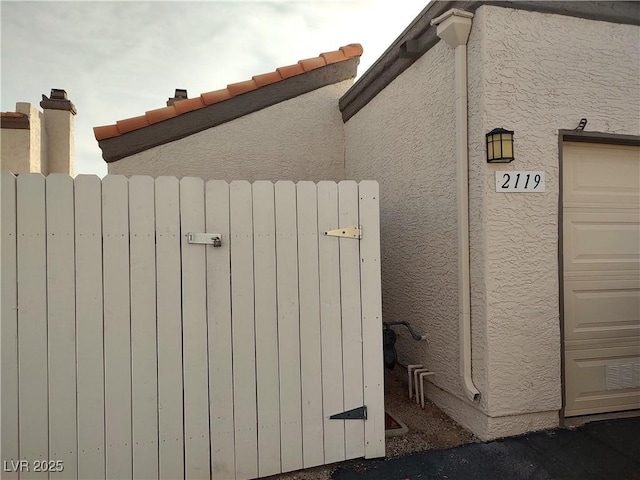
x=214, y=239
x=347, y=232
x=359, y=413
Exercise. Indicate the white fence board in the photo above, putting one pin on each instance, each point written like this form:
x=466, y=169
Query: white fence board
x=89, y=327
x=32, y=321
x=61, y=324
x=266, y=321
x=310, y=346
x=144, y=363
x=219, y=320
x=351, y=317
x=169, y=311
x=288, y=327
x=370, y=289
x=330, y=323
x=194, y=332
x=243, y=327
x=117, y=326
x=9, y=325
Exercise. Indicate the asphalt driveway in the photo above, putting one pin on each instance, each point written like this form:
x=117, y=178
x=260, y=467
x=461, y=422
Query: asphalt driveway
x=604, y=450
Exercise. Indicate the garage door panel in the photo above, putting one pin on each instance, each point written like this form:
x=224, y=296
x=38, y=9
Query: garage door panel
x=601, y=241
x=601, y=309
x=604, y=380
x=605, y=174
x=601, y=268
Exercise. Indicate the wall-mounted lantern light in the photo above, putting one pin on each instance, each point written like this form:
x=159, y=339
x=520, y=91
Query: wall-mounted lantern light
x=500, y=146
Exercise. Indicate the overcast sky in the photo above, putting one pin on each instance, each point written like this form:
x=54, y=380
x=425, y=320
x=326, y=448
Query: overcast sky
x=119, y=59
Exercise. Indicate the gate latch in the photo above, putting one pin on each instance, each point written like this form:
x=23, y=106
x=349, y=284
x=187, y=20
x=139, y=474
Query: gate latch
x=214, y=239
x=347, y=232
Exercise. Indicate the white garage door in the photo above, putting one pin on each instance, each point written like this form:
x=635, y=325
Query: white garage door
x=601, y=243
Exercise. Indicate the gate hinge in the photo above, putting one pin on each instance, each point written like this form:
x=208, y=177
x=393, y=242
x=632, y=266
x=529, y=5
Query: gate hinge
x=347, y=232
x=359, y=413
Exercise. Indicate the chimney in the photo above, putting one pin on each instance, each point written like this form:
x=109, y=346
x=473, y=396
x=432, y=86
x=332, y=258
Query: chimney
x=58, y=124
x=180, y=94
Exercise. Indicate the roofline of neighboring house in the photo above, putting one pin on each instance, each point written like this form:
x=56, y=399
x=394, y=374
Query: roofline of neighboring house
x=418, y=38
x=190, y=116
x=14, y=120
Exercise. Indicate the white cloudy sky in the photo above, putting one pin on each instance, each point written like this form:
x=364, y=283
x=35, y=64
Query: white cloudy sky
x=119, y=59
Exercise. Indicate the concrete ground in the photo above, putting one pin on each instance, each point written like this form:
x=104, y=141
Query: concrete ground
x=604, y=450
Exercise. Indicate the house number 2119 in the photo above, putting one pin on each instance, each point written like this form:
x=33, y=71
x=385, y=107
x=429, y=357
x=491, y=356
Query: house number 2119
x=520, y=181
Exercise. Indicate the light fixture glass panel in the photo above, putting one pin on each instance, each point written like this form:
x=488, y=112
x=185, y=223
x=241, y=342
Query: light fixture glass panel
x=507, y=145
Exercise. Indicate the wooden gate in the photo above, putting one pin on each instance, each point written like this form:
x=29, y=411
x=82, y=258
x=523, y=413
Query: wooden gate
x=131, y=350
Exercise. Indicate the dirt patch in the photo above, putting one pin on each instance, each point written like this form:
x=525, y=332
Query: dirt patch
x=429, y=429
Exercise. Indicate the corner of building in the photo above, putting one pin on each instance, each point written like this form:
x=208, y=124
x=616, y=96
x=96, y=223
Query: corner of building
x=486, y=427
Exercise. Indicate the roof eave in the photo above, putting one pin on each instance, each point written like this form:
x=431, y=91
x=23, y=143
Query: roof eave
x=172, y=129
x=15, y=122
x=419, y=37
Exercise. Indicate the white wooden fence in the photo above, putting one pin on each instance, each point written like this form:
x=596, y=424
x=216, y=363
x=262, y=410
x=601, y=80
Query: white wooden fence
x=128, y=352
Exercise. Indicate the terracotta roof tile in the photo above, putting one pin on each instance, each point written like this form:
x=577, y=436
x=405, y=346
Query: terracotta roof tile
x=241, y=87
x=215, y=96
x=290, y=70
x=159, y=114
x=13, y=115
x=129, y=124
x=353, y=50
x=333, y=57
x=267, y=78
x=311, y=63
x=184, y=106
x=107, y=131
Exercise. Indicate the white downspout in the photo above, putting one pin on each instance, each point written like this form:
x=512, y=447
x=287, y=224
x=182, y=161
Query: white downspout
x=454, y=27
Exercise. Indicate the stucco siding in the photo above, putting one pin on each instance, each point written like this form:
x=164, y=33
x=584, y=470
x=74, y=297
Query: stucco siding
x=532, y=73
x=40, y=143
x=486, y=427
x=15, y=151
x=298, y=139
x=541, y=73
x=25, y=150
x=404, y=138
x=60, y=132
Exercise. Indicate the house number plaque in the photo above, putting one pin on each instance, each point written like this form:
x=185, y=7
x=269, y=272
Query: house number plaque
x=520, y=181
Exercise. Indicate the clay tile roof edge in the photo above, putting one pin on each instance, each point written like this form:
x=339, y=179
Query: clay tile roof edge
x=14, y=120
x=106, y=131
x=13, y=115
x=127, y=125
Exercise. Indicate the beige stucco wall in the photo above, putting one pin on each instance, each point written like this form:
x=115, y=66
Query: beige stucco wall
x=542, y=73
x=15, y=150
x=23, y=150
x=404, y=138
x=298, y=139
x=535, y=74
x=60, y=145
